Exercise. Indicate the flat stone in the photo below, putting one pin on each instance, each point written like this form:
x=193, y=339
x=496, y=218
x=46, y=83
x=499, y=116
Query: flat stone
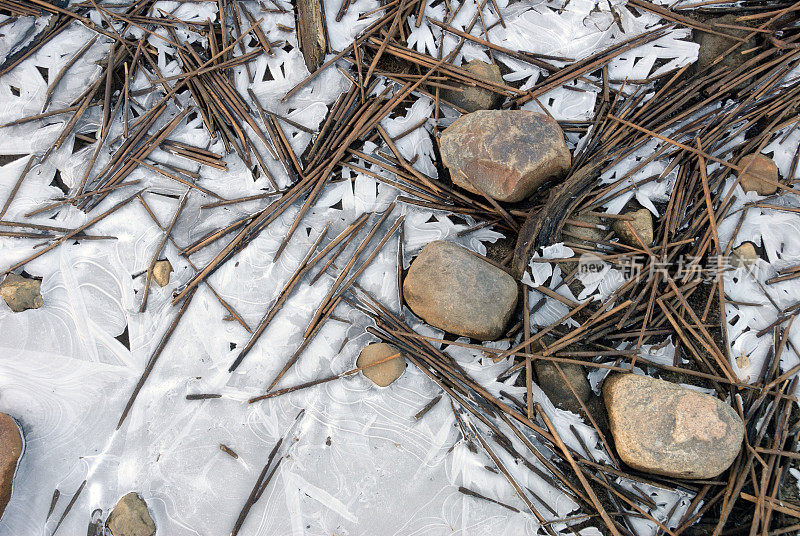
x=161, y=271
x=505, y=154
x=760, y=174
x=473, y=98
x=384, y=374
x=662, y=428
x=642, y=225
x=10, y=453
x=456, y=290
x=131, y=518
x=744, y=255
x=557, y=390
x=21, y=293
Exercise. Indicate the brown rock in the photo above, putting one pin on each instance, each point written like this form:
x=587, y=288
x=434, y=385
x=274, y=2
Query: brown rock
x=642, y=225
x=456, y=290
x=663, y=428
x=744, y=255
x=557, y=390
x=505, y=154
x=713, y=45
x=21, y=293
x=161, y=271
x=131, y=518
x=385, y=373
x=759, y=174
x=473, y=98
x=10, y=453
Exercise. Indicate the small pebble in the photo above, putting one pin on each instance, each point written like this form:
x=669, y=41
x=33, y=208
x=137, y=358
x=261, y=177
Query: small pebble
x=474, y=98
x=130, y=517
x=744, y=255
x=642, y=225
x=161, y=271
x=384, y=374
x=21, y=293
x=760, y=174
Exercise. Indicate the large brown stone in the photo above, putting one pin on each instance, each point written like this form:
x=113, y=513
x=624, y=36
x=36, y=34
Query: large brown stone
x=663, y=428
x=505, y=154
x=473, y=98
x=21, y=293
x=131, y=518
x=760, y=174
x=384, y=373
x=10, y=452
x=454, y=289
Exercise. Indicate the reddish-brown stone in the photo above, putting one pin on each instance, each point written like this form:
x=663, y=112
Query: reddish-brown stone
x=760, y=174
x=664, y=428
x=10, y=452
x=505, y=154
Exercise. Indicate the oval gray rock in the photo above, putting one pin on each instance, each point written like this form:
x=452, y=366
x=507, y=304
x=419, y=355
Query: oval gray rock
x=456, y=290
x=505, y=154
x=663, y=428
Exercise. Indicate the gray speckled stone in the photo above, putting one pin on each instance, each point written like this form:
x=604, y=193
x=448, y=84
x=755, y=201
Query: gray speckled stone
x=454, y=289
x=663, y=428
x=506, y=154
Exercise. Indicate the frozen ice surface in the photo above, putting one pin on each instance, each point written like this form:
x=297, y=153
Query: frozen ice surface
x=356, y=462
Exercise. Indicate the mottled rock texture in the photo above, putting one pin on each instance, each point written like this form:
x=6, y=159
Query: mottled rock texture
x=505, y=154
x=161, y=271
x=664, y=428
x=21, y=293
x=131, y=518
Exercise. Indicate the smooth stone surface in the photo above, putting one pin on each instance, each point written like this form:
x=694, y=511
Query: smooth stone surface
x=557, y=390
x=505, y=154
x=642, y=225
x=744, y=255
x=760, y=174
x=385, y=373
x=131, y=518
x=10, y=452
x=454, y=289
x=474, y=98
x=663, y=428
x=161, y=271
x=21, y=293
